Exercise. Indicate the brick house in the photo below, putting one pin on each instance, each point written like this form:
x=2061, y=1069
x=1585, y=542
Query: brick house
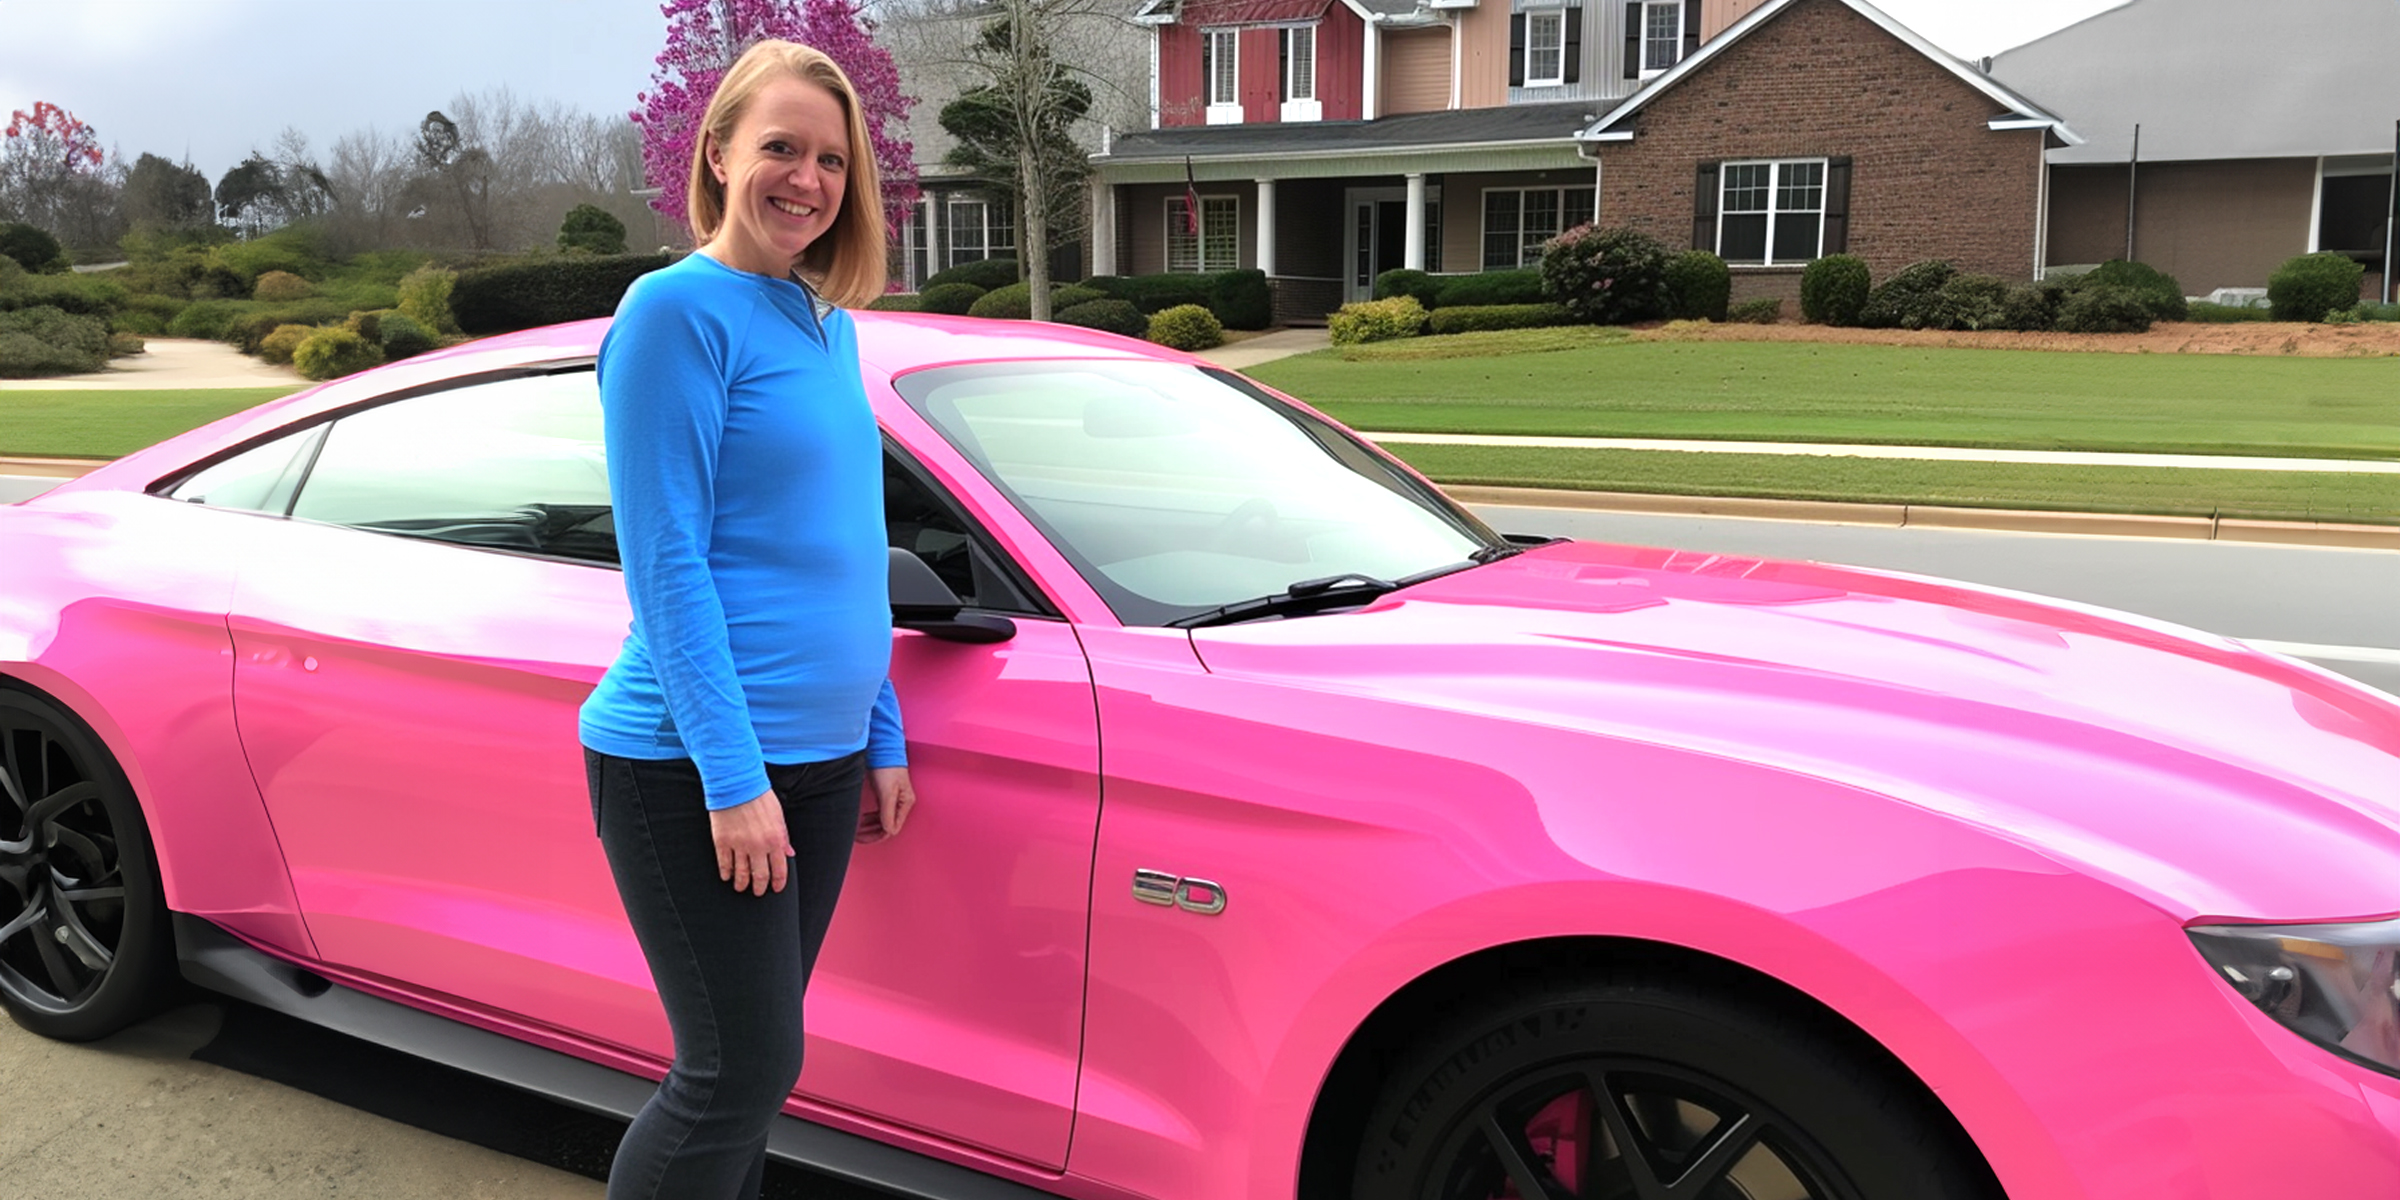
x=1331, y=140
x=2265, y=133
x=1814, y=127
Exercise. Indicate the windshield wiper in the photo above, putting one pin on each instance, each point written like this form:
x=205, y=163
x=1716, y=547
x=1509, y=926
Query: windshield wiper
x=1308, y=597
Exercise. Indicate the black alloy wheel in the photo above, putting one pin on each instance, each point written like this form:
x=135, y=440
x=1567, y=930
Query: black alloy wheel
x=85, y=948
x=1650, y=1088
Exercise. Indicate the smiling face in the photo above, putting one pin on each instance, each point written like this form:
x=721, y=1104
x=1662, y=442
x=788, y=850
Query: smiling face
x=784, y=167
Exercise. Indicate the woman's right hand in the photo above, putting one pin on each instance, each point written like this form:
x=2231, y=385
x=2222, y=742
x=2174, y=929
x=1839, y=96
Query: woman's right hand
x=753, y=850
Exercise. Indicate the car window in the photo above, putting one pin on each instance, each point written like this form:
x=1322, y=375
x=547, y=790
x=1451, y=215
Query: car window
x=515, y=464
x=919, y=518
x=260, y=479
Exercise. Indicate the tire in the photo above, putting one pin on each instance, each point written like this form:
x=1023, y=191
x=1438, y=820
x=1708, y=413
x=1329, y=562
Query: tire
x=85, y=945
x=1725, y=1099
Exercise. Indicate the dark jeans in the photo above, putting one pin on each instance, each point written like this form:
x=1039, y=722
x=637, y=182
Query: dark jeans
x=729, y=966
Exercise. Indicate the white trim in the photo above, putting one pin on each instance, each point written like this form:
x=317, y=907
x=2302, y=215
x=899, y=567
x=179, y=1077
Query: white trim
x=1367, y=152
x=1211, y=61
x=1559, y=16
x=1353, y=198
x=1457, y=57
x=2018, y=106
x=1371, y=71
x=1644, y=68
x=1775, y=167
x=1155, y=35
x=1263, y=256
x=1299, y=108
x=2316, y=210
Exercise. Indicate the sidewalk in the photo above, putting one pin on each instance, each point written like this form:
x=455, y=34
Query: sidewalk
x=171, y=363
x=2067, y=458
x=1267, y=347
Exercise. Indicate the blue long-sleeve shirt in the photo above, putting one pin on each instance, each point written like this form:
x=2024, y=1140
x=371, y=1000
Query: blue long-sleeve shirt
x=746, y=473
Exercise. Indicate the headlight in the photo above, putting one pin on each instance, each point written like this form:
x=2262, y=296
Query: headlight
x=2332, y=984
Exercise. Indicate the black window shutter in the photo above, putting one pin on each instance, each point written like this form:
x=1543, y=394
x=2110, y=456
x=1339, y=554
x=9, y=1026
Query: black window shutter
x=1516, y=50
x=1837, y=206
x=1283, y=64
x=1633, y=40
x=1704, y=209
x=1573, y=25
x=1691, y=28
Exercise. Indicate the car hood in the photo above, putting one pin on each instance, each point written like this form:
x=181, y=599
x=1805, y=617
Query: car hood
x=2215, y=779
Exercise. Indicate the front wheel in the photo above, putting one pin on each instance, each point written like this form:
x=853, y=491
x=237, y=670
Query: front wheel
x=85, y=947
x=1646, y=1087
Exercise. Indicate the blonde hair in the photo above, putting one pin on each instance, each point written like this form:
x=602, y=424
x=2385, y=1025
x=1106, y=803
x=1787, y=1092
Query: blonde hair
x=846, y=264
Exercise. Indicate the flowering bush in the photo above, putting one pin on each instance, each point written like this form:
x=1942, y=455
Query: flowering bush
x=1606, y=276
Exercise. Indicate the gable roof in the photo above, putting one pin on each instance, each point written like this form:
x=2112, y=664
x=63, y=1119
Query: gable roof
x=2017, y=112
x=2221, y=79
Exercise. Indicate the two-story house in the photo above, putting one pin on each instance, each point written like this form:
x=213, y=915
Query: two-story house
x=1327, y=141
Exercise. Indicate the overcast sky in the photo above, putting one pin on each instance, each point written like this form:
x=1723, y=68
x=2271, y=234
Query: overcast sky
x=212, y=79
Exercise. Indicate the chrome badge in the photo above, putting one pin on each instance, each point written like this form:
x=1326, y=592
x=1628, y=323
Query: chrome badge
x=1191, y=895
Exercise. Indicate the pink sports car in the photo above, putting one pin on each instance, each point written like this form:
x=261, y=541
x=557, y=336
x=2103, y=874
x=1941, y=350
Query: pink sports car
x=1286, y=832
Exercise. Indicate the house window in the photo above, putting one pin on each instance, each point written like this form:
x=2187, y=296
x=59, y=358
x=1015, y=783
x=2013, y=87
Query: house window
x=1545, y=48
x=1219, y=60
x=1662, y=34
x=1218, y=248
x=1300, y=63
x=979, y=229
x=1518, y=222
x=1771, y=213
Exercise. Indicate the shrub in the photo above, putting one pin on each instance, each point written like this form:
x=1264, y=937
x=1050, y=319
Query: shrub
x=1522, y=285
x=984, y=273
x=2369, y=310
x=298, y=249
x=1153, y=294
x=1402, y=281
x=279, y=287
x=1907, y=299
x=425, y=297
x=2159, y=291
x=1241, y=299
x=2103, y=309
x=204, y=319
x=368, y=325
x=50, y=341
x=139, y=323
x=149, y=314
x=510, y=296
x=82, y=295
x=2342, y=316
x=126, y=345
x=360, y=295
x=1377, y=321
x=405, y=337
x=1011, y=303
x=2226, y=314
x=277, y=347
x=1699, y=286
x=1606, y=276
x=1834, y=290
x=1073, y=294
x=2308, y=287
x=334, y=352
x=1475, y=318
x=949, y=299
x=1185, y=327
x=1766, y=310
x=1969, y=302
x=253, y=322
x=2032, y=307
x=31, y=248
x=591, y=229
x=1113, y=316
x=894, y=302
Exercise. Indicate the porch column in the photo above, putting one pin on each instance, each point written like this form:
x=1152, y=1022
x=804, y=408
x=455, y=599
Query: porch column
x=934, y=233
x=1104, y=227
x=1266, y=226
x=1412, y=254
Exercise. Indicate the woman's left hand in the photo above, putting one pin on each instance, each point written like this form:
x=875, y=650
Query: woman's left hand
x=886, y=804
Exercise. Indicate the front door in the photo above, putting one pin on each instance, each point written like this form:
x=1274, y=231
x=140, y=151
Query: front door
x=1377, y=238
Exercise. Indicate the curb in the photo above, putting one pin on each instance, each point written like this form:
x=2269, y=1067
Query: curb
x=51, y=468
x=1926, y=516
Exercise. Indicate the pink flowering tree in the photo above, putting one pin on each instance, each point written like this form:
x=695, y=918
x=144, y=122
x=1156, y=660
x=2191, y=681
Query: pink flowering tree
x=45, y=157
x=703, y=39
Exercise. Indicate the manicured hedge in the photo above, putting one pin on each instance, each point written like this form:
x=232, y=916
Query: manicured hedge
x=949, y=299
x=1376, y=321
x=1111, y=316
x=1699, y=286
x=1186, y=327
x=1520, y=286
x=511, y=296
x=2312, y=285
x=1239, y=299
x=1402, y=281
x=985, y=273
x=1473, y=318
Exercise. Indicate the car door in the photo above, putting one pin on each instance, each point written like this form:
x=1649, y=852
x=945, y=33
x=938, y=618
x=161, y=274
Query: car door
x=408, y=668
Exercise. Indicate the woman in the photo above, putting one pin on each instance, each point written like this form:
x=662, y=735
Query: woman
x=726, y=746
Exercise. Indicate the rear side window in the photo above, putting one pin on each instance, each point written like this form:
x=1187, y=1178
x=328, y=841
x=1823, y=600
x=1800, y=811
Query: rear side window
x=260, y=479
x=511, y=465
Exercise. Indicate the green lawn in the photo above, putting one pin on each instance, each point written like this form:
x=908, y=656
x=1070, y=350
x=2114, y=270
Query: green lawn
x=69, y=423
x=1745, y=391
x=2260, y=495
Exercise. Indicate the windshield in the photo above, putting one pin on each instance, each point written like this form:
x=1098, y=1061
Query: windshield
x=1176, y=490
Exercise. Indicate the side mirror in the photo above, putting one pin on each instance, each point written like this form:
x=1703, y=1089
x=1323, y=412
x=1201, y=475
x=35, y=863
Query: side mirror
x=921, y=601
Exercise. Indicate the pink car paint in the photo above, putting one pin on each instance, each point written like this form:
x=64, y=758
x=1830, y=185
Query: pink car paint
x=1972, y=824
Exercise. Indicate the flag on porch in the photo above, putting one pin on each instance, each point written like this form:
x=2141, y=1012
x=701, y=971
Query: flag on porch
x=1191, y=200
